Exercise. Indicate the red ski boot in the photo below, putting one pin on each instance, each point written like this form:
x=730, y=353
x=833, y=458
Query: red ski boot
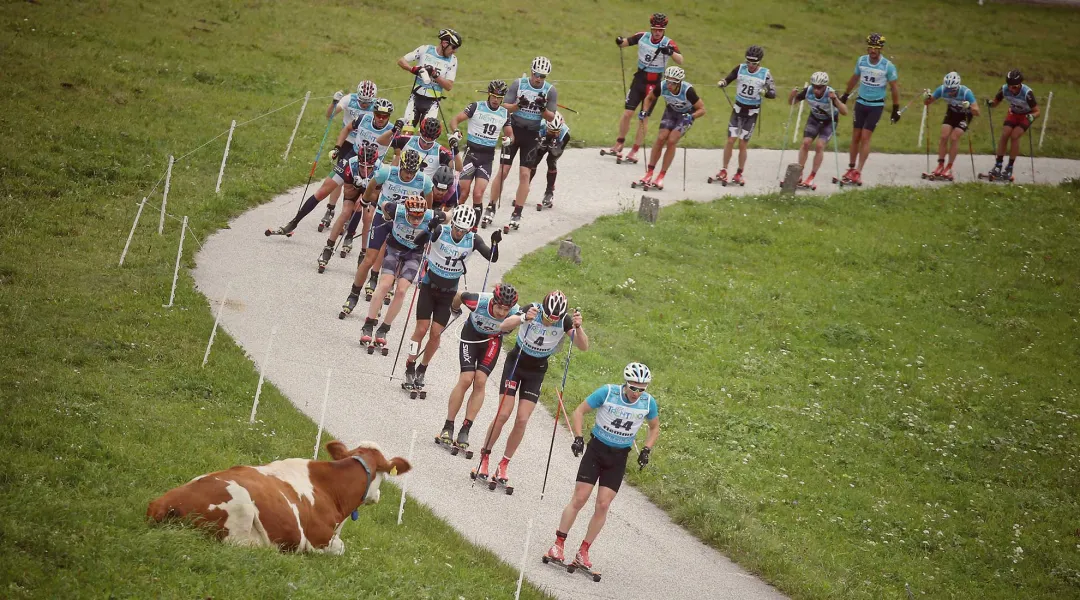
x=856, y=178
x=807, y=183
x=631, y=158
x=947, y=173
x=939, y=170
x=738, y=179
x=645, y=182
x=555, y=553
x=658, y=183
x=719, y=177
x=481, y=472
x=582, y=562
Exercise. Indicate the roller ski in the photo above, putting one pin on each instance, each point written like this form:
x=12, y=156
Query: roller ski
x=644, y=183
x=349, y=306
x=941, y=173
x=417, y=387
x=804, y=184
x=515, y=223
x=555, y=556
x=998, y=175
x=630, y=159
x=615, y=151
x=501, y=478
x=481, y=472
x=462, y=442
x=720, y=178
x=852, y=177
x=327, y=220
x=546, y=202
x=378, y=342
x=738, y=179
x=324, y=258
x=583, y=564
x=346, y=247
x=285, y=230
x=489, y=216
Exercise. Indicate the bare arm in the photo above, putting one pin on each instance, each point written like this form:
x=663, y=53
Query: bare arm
x=840, y=106
x=581, y=341
x=344, y=135
x=577, y=419
x=654, y=432
x=699, y=109
x=851, y=83
x=895, y=89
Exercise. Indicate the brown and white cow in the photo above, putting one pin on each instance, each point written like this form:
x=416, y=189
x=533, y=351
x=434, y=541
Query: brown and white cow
x=295, y=505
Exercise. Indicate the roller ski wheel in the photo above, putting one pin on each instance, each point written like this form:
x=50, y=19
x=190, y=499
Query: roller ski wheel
x=617, y=153
x=644, y=183
x=416, y=386
x=285, y=230
x=738, y=180
x=485, y=221
x=720, y=178
x=408, y=385
x=379, y=343
x=327, y=220
x=349, y=306
x=346, y=247
x=494, y=484
x=324, y=259
x=588, y=572
x=995, y=179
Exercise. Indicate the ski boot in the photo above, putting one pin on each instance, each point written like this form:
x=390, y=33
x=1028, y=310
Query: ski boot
x=546, y=202
x=995, y=173
x=658, y=183
x=380, y=340
x=349, y=306
x=489, y=216
x=515, y=222
x=369, y=289
x=582, y=562
x=615, y=151
x=947, y=173
x=366, y=338
x=556, y=554
x=327, y=220
x=501, y=477
x=462, y=442
x=643, y=183
x=481, y=472
x=845, y=179
x=720, y=177
x=285, y=230
x=738, y=179
x=418, y=387
x=410, y=377
x=1007, y=173
x=856, y=178
x=807, y=183
x=324, y=258
x=630, y=159
x=346, y=246
x=939, y=170
x=446, y=436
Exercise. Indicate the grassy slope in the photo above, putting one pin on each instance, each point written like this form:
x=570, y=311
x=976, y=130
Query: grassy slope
x=856, y=393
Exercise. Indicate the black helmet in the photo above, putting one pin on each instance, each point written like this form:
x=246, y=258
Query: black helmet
x=505, y=294
x=1014, y=77
x=875, y=40
x=497, y=87
x=430, y=128
x=755, y=53
x=410, y=161
x=449, y=35
x=443, y=177
x=658, y=20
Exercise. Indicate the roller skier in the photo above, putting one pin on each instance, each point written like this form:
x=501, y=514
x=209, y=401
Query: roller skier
x=434, y=73
x=825, y=106
x=553, y=137
x=487, y=122
x=1023, y=110
x=873, y=73
x=962, y=107
x=753, y=82
x=351, y=107
x=683, y=108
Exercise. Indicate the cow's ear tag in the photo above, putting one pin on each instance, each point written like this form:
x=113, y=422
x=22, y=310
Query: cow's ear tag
x=355, y=515
x=393, y=471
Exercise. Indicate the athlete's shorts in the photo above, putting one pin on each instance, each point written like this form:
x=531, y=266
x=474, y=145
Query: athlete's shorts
x=477, y=163
x=550, y=153
x=524, y=382
x=822, y=130
x=674, y=121
x=640, y=87
x=526, y=141
x=434, y=303
x=419, y=108
x=742, y=122
x=604, y=464
x=347, y=152
x=478, y=351
x=1015, y=120
x=867, y=117
x=380, y=228
x=956, y=119
x=402, y=264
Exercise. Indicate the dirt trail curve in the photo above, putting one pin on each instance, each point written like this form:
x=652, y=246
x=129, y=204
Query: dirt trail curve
x=642, y=553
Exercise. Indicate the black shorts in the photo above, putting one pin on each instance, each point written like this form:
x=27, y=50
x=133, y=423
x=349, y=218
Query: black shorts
x=524, y=382
x=477, y=163
x=742, y=122
x=434, y=304
x=604, y=464
x=641, y=86
x=421, y=106
x=347, y=152
x=956, y=119
x=815, y=129
x=525, y=140
x=478, y=351
x=674, y=121
x=867, y=117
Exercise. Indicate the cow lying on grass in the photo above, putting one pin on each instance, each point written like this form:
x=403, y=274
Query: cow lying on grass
x=295, y=505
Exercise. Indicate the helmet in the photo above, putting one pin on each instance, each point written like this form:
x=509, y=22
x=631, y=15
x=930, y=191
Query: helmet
x=415, y=204
x=554, y=306
x=449, y=35
x=443, y=177
x=658, y=20
x=755, y=54
x=674, y=73
x=556, y=123
x=383, y=107
x=819, y=78
x=497, y=87
x=541, y=65
x=636, y=372
x=366, y=91
x=410, y=160
x=1015, y=77
x=505, y=294
x=430, y=128
x=875, y=40
x=952, y=81
x=368, y=155
x=463, y=217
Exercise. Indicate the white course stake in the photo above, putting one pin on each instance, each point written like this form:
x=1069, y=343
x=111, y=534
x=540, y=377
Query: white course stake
x=795, y=134
x=142, y=205
x=303, y=106
x=176, y=269
x=524, y=557
x=262, y=374
x=401, y=505
x=922, y=126
x=165, y=196
x=213, y=332
x=322, y=418
x=224, y=157
x=1046, y=117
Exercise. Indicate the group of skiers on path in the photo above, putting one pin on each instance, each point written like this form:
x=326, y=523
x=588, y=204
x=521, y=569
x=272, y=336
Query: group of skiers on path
x=415, y=224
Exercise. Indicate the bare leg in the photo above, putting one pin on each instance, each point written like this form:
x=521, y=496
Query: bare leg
x=856, y=141
x=476, y=398
x=742, y=154
x=1014, y=150
x=1006, y=133
x=419, y=332
x=517, y=432
x=457, y=395
x=672, y=143
x=582, y=491
x=804, y=151
x=624, y=126
x=395, y=304
x=656, y=147
x=604, y=496
x=497, y=183
x=728, y=147
x=434, y=339
x=385, y=281
x=342, y=219
x=523, y=186
x=943, y=143
x=506, y=407
x=819, y=154
x=864, y=148
x=954, y=147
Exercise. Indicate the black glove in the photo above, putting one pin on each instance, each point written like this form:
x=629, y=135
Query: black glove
x=895, y=113
x=335, y=152
x=433, y=224
x=643, y=457
x=989, y=103
x=619, y=40
x=496, y=237
x=431, y=70
x=844, y=97
x=642, y=115
x=556, y=151
x=453, y=145
x=398, y=126
x=415, y=70
x=541, y=101
x=522, y=102
x=578, y=446
x=666, y=50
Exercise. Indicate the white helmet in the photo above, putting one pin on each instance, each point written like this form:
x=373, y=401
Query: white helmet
x=952, y=81
x=819, y=78
x=556, y=123
x=636, y=372
x=463, y=217
x=674, y=73
x=554, y=305
x=541, y=65
x=366, y=91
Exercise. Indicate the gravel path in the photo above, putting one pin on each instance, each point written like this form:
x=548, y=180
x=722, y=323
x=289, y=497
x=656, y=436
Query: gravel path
x=274, y=284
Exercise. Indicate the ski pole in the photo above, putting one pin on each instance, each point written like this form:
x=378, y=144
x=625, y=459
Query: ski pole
x=903, y=110
x=316, y=162
x=567, y=108
x=555, y=427
x=1031, y=151
x=622, y=71
x=971, y=153
x=990, y=119
x=924, y=111
x=836, y=140
x=502, y=398
x=783, y=142
x=1045, y=118
x=798, y=117
x=922, y=126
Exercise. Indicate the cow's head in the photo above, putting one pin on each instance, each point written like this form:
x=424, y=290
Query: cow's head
x=374, y=460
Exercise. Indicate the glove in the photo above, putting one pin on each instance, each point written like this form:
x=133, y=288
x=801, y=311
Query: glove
x=619, y=40
x=1030, y=118
x=507, y=141
x=642, y=115
x=722, y=83
x=416, y=70
x=844, y=97
x=398, y=126
x=453, y=145
x=496, y=237
x=454, y=138
x=927, y=94
x=989, y=104
x=643, y=457
x=688, y=118
x=895, y=113
x=556, y=151
x=666, y=50
x=541, y=100
x=965, y=105
x=456, y=311
x=338, y=95
x=335, y=152
x=578, y=446
x=431, y=70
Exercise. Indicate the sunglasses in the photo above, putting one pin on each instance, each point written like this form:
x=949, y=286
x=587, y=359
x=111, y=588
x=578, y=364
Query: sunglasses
x=539, y=75
x=636, y=389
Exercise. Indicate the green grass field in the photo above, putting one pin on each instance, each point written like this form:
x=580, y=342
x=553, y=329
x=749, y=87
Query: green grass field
x=857, y=393
x=103, y=401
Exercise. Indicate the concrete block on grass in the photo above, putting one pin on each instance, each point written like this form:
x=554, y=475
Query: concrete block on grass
x=649, y=209
x=791, y=178
x=570, y=251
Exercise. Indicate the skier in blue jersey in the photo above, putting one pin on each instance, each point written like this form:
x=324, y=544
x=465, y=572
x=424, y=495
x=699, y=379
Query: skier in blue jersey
x=873, y=73
x=753, y=82
x=351, y=107
x=683, y=108
x=961, y=108
x=825, y=107
x=434, y=73
x=1023, y=110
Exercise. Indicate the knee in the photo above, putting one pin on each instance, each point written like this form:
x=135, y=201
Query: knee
x=603, y=504
x=806, y=145
x=521, y=421
x=578, y=501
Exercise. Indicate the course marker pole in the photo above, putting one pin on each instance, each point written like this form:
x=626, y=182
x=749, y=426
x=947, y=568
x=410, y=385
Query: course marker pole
x=131, y=233
x=262, y=374
x=922, y=125
x=296, y=127
x=1045, y=117
x=322, y=418
x=176, y=269
x=524, y=557
x=401, y=505
x=217, y=320
x=165, y=196
x=224, y=157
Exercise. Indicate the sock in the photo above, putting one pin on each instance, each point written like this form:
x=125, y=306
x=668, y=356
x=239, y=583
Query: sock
x=421, y=368
x=941, y=161
x=999, y=159
x=1011, y=161
x=560, y=538
x=448, y=424
x=552, y=174
x=466, y=424
x=851, y=165
x=330, y=243
x=354, y=222
x=585, y=545
x=652, y=167
x=738, y=170
x=306, y=208
x=620, y=141
x=356, y=290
